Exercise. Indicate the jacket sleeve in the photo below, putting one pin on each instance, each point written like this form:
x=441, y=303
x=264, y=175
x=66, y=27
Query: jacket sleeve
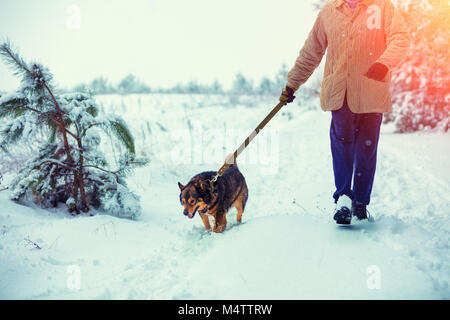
x=398, y=40
x=310, y=55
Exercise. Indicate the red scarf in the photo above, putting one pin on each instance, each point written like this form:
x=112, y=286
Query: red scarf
x=352, y=4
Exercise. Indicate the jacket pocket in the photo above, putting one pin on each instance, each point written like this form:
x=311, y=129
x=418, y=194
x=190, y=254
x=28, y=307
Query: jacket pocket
x=374, y=95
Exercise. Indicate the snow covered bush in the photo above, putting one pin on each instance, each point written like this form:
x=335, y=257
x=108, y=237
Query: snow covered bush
x=421, y=87
x=70, y=167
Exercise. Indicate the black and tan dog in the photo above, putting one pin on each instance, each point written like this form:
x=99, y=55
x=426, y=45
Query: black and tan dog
x=230, y=190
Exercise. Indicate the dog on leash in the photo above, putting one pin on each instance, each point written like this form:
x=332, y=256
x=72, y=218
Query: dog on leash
x=230, y=190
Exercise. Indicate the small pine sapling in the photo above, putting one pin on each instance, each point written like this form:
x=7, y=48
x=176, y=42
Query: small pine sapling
x=70, y=167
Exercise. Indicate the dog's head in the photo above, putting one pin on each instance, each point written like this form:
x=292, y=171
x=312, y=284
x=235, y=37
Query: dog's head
x=194, y=196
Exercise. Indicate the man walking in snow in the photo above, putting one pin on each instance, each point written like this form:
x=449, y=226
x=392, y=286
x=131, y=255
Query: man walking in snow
x=365, y=40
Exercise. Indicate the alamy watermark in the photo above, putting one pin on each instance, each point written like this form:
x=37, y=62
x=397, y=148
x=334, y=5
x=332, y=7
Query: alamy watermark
x=374, y=19
x=373, y=277
x=73, y=281
x=73, y=21
x=199, y=145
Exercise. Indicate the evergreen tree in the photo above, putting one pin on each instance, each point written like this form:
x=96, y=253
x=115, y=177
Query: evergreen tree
x=130, y=84
x=421, y=86
x=193, y=87
x=280, y=78
x=242, y=85
x=101, y=85
x=69, y=167
x=266, y=86
x=216, y=87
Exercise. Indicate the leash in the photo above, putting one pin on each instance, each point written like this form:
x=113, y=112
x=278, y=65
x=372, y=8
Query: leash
x=231, y=159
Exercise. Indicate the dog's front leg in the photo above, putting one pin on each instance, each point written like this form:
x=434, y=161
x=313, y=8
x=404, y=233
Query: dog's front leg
x=205, y=219
x=220, y=223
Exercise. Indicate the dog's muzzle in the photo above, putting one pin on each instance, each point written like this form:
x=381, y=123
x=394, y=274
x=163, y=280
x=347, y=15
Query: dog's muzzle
x=190, y=216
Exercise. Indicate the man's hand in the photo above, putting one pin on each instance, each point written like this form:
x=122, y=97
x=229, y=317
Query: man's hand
x=377, y=71
x=287, y=95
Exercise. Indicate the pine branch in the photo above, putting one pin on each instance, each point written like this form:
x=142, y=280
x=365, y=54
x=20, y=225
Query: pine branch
x=72, y=134
x=123, y=134
x=28, y=108
x=11, y=136
x=121, y=131
x=9, y=106
x=53, y=131
x=14, y=60
x=101, y=169
x=59, y=163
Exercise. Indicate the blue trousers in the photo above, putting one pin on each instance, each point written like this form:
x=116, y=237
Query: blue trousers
x=354, y=142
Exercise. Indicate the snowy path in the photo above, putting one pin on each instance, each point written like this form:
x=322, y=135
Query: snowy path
x=288, y=246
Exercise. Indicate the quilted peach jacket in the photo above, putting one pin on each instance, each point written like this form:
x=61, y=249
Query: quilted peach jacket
x=376, y=32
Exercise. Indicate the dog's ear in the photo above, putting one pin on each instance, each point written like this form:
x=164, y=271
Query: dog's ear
x=205, y=186
x=204, y=191
x=181, y=186
x=208, y=198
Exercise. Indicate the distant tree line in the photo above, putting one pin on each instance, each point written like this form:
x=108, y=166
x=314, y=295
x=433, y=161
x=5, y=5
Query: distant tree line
x=101, y=85
x=241, y=85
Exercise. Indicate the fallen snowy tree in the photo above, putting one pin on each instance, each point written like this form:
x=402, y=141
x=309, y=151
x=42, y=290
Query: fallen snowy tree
x=69, y=168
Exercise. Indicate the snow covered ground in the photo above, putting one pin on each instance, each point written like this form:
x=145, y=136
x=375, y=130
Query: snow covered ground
x=288, y=246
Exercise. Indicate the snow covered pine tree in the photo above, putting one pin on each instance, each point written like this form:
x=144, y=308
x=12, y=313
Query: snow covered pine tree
x=421, y=86
x=69, y=168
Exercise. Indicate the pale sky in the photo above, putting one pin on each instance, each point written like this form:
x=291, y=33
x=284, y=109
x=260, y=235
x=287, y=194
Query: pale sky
x=162, y=42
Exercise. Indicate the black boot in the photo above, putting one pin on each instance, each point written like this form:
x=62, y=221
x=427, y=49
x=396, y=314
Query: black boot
x=343, y=213
x=343, y=216
x=359, y=210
